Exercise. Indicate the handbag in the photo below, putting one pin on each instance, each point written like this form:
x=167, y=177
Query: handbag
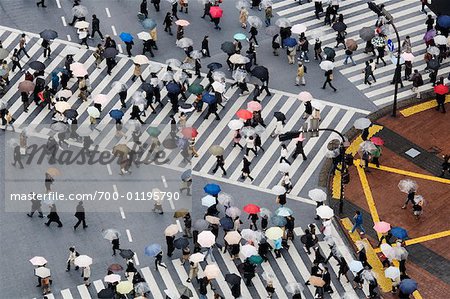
x=331, y=77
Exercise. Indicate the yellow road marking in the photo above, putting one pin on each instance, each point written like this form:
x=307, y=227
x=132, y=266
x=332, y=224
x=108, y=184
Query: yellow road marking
x=421, y=107
x=422, y=239
x=336, y=187
x=417, y=295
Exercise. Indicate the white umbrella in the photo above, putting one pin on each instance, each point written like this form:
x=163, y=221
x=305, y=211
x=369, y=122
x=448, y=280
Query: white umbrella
x=265, y=211
x=78, y=69
x=388, y=251
x=392, y=272
x=367, y=146
x=79, y=11
x=42, y=272
x=212, y=271
x=294, y=287
x=305, y=96
x=81, y=25
x=407, y=185
x=268, y=276
x=279, y=190
x=141, y=59
x=218, y=76
x=248, y=131
x=362, y=123
x=418, y=198
x=62, y=106
x=232, y=237
x=137, y=99
x=317, y=195
x=144, y=35
x=248, y=234
x=326, y=65
x=235, y=124
x=317, y=105
x=355, y=266
x=206, y=238
x=440, y=40
x=184, y=42
x=298, y=29
x=239, y=59
x=283, y=23
x=118, y=86
x=110, y=234
x=102, y=99
x=248, y=250
x=83, y=261
x=218, y=86
x=433, y=50
x=208, y=201
x=171, y=230
x=284, y=167
x=65, y=93
x=233, y=212
x=332, y=154
x=408, y=56
x=400, y=253
x=38, y=261
x=325, y=212
x=197, y=257
x=93, y=112
x=112, y=278
x=225, y=199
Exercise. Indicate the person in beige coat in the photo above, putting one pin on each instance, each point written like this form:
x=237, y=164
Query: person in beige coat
x=137, y=73
x=86, y=275
x=243, y=16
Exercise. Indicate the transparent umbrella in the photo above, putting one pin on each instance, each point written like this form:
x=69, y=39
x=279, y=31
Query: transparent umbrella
x=184, y=42
x=80, y=11
x=255, y=21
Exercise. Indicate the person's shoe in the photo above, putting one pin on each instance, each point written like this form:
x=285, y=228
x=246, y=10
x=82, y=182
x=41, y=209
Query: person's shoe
x=361, y=233
x=47, y=224
x=60, y=225
x=188, y=280
x=29, y=215
x=41, y=216
x=74, y=228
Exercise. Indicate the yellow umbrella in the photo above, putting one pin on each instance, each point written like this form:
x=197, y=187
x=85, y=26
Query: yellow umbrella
x=53, y=171
x=171, y=230
x=124, y=287
x=122, y=148
x=274, y=233
x=180, y=213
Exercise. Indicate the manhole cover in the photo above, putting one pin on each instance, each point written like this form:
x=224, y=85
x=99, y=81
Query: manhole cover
x=412, y=152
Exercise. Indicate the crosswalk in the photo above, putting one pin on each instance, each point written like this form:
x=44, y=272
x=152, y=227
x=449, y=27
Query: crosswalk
x=408, y=20
x=211, y=132
x=294, y=264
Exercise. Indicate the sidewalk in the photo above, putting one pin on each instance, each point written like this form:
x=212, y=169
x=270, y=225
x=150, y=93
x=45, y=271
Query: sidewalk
x=376, y=192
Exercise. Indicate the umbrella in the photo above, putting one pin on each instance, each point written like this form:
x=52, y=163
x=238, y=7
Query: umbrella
x=351, y=44
x=226, y=223
x=181, y=243
x=218, y=86
x=106, y=294
x=367, y=147
x=440, y=40
x=433, y=51
x=240, y=36
x=196, y=54
x=382, y=227
x=110, y=52
x=141, y=59
x=184, y=42
x=228, y=47
x=278, y=221
x=42, y=272
x=59, y=127
x=378, y=41
x=173, y=87
x=152, y=250
x=325, y=212
x=3, y=53
x=233, y=212
x=362, y=123
x=219, y=76
x=53, y=171
x=26, y=86
x=400, y=253
x=171, y=230
x=110, y=234
x=251, y=209
x=195, y=88
x=122, y=148
x=206, y=238
x=283, y=23
x=215, y=12
x=294, y=287
x=180, y=213
x=388, y=251
x=279, y=190
x=355, y=266
x=260, y=72
x=290, y=42
x=298, y=29
x=197, y=257
x=274, y=233
x=182, y=23
x=65, y=93
x=144, y=35
x=141, y=288
x=126, y=253
x=305, y=96
x=249, y=234
x=208, y=200
x=366, y=33
x=186, y=175
x=81, y=25
x=49, y=34
x=232, y=237
x=256, y=259
x=326, y=65
x=189, y=132
x=239, y=59
x=433, y=64
x=232, y=278
x=329, y=52
x=225, y=199
x=83, y=261
x=429, y=35
x=235, y=124
x=184, y=291
x=248, y=131
x=147, y=87
x=212, y=189
x=79, y=11
x=248, y=250
x=407, y=56
x=317, y=195
x=444, y=21
x=332, y=154
x=255, y=21
x=279, y=116
x=339, y=27
x=126, y=37
x=78, y=69
x=377, y=140
x=102, y=99
x=214, y=66
x=216, y=150
x=115, y=268
x=37, y=65
x=284, y=212
x=272, y=30
x=208, y=98
x=399, y=232
x=212, y=271
x=242, y=4
x=254, y=106
x=408, y=286
x=212, y=219
x=38, y=261
x=124, y=287
x=284, y=167
x=441, y=89
x=149, y=24
x=268, y=276
x=392, y=272
x=111, y=278
x=93, y=112
x=266, y=3
x=186, y=107
x=116, y=114
x=201, y=224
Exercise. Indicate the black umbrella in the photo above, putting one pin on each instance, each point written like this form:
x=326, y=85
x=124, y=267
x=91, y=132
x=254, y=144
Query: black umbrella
x=110, y=52
x=329, y=52
x=106, y=294
x=126, y=253
x=232, y=278
x=181, y=243
x=228, y=47
x=279, y=116
x=339, y=26
x=260, y=72
x=49, y=34
x=71, y=113
x=147, y=87
x=37, y=65
x=214, y=66
x=433, y=64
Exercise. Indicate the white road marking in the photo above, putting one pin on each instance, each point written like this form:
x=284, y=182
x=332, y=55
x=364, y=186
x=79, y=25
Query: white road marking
x=115, y=187
x=109, y=169
x=107, y=12
x=69, y=38
x=163, y=178
x=180, y=229
x=113, y=28
x=130, y=239
x=119, y=46
x=122, y=213
x=136, y=260
x=172, y=205
x=58, y=3
x=63, y=19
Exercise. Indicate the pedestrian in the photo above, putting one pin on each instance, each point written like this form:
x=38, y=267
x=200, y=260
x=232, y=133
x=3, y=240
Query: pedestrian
x=220, y=163
x=387, y=237
x=184, y=4
x=349, y=55
x=154, y=37
x=205, y=46
x=429, y=22
x=424, y=3
x=243, y=16
x=158, y=202
x=329, y=77
x=358, y=219
x=193, y=271
x=445, y=165
x=286, y=183
x=168, y=23
x=86, y=275
x=22, y=44
x=283, y=154
x=303, y=47
x=180, y=32
x=291, y=52
x=327, y=278
x=373, y=284
x=367, y=73
x=268, y=14
x=301, y=71
x=406, y=45
x=41, y=3
x=318, y=49
x=187, y=225
x=253, y=33
x=186, y=253
x=369, y=48
x=206, y=9
x=299, y=148
x=246, y=170
x=55, y=82
x=48, y=182
x=143, y=9
x=340, y=39
x=96, y=27
x=318, y=8
x=418, y=207
x=80, y=215
x=158, y=261
x=137, y=73
x=440, y=98
x=212, y=109
x=279, y=127
x=53, y=216
x=376, y=154
x=276, y=42
x=343, y=269
x=362, y=256
x=35, y=206
x=115, y=245
x=15, y=61
x=397, y=77
x=17, y=156
x=249, y=272
x=381, y=52
x=175, y=10
x=83, y=35
x=203, y=284
x=5, y=69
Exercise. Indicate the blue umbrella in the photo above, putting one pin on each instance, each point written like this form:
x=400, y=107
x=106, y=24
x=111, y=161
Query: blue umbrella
x=181, y=243
x=226, y=223
x=399, y=232
x=149, y=24
x=152, y=250
x=444, y=21
x=290, y=42
x=208, y=98
x=173, y=87
x=212, y=189
x=126, y=37
x=239, y=36
x=116, y=114
x=408, y=286
x=186, y=175
x=278, y=221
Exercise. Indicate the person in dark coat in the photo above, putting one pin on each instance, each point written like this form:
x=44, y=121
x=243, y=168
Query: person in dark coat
x=329, y=78
x=246, y=174
x=318, y=257
x=440, y=98
x=205, y=46
x=170, y=246
x=143, y=8
x=115, y=245
x=327, y=278
x=308, y=240
x=381, y=52
x=299, y=150
x=158, y=261
x=220, y=163
x=17, y=157
x=148, y=47
x=175, y=10
x=249, y=272
x=53, y=216
x=398, y=77
x=156, y=4
x=318, y=8
x=35, y=206
x=362, y=257
x=343, y=269
x=80, y=215
x=168, y=23
x=136, y=114
x=236, y=290
x=212, y=109
x=96, y=27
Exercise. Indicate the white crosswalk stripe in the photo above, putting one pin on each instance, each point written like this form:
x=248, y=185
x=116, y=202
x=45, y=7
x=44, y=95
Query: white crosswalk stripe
x=409, y=21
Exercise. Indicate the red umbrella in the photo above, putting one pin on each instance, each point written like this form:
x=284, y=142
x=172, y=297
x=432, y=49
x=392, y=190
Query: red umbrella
x=244, y=114
x=216, y=12
x=251, y=209
x=189, y=132
x=441, y=89
x=377, y=140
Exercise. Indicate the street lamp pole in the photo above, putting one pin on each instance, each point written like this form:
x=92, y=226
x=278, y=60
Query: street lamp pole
x=398, y=71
